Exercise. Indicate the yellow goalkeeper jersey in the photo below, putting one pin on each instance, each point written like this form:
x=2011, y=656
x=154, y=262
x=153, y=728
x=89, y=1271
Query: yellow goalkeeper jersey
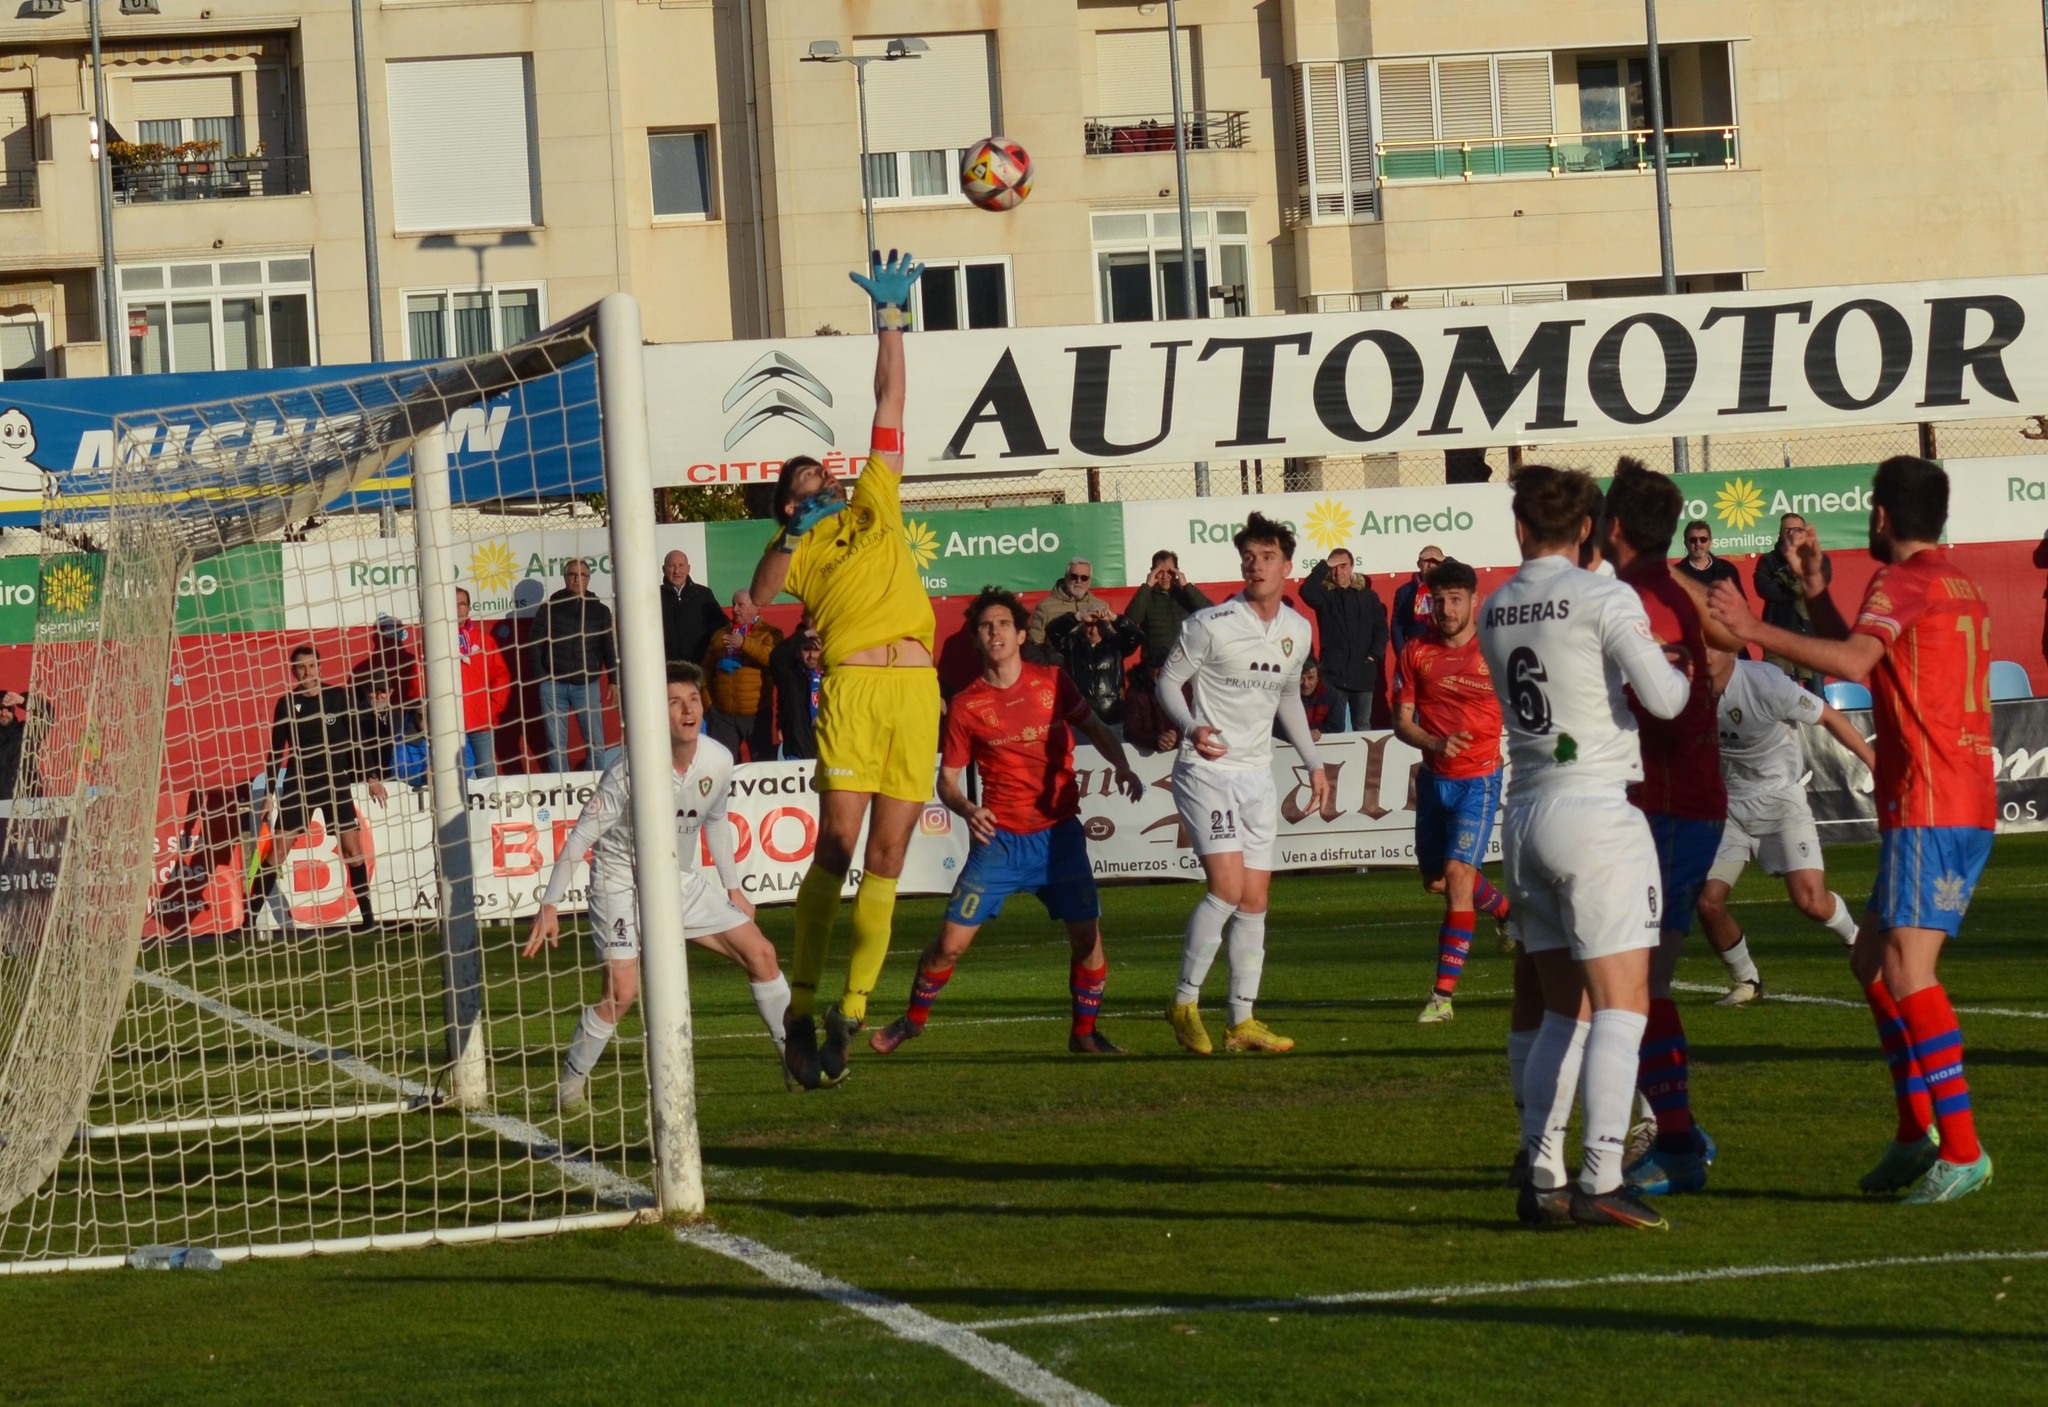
x=858, y=577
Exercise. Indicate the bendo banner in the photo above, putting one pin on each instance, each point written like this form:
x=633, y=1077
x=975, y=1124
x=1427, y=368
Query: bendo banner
x=1015, y=400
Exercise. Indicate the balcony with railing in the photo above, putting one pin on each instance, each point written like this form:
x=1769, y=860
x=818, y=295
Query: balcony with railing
x=1148, y=132
x=18, y=189
x=1556, y=154
x=147, y=173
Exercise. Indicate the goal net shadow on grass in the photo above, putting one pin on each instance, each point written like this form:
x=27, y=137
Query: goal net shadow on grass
x=167, y=1076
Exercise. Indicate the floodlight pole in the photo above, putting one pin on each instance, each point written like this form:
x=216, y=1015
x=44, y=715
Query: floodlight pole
x=1187, y=228
x=371, y=275
x=826, y=51
x=1681, y=455
x=110, y=293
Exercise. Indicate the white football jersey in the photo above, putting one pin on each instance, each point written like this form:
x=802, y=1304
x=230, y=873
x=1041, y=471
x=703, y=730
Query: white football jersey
x=606, y=826
x=1759, y=716
x=1241, y=667
x=1561, y=643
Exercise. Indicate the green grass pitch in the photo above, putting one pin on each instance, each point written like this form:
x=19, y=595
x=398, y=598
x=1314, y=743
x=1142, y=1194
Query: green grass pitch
x=983, y=1174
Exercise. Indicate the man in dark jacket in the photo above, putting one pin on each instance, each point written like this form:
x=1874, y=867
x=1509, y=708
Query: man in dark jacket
x=1784, y=599
x=1411, y=601
x=1159, y=608
x=574, y=659
x=1353, y=627
x=1092, y=649
x=689, y=612
x=798, y=668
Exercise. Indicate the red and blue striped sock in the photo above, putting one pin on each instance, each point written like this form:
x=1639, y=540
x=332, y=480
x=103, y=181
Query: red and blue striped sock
x=1488, y=900
x=1661, y=1075
x=1909, y=1088
x=924, y=990
x=1453, y=946
x=1938, y=1050
x=1086, y=984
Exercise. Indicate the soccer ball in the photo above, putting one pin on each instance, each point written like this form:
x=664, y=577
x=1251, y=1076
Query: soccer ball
x=996, y=173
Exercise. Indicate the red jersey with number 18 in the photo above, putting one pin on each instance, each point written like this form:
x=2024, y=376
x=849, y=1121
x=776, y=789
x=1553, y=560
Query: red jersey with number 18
x=1452, y=691
x=1932, y=695
x=1021, y=740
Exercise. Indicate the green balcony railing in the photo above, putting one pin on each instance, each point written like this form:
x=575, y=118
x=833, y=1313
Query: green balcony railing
x=1555, y=154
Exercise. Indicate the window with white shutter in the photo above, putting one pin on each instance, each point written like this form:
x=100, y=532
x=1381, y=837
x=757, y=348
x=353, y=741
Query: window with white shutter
x=462, y=147
x=1333, y=142
x=924, y=112
x=1464, y=115
x=1133, y=77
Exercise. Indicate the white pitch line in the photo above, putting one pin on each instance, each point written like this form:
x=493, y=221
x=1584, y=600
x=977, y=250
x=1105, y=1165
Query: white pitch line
x=997, y=1361
x=1794, y=999
x=1431, y=1294
x=610, y=1186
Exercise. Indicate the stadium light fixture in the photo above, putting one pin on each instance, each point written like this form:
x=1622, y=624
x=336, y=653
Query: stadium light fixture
x=827, y=51
x=111, y=324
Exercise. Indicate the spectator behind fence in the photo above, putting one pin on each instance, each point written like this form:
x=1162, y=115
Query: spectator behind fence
x=798, y=670
x=1158, y=608
x=393, y=656
x=1783, y=597
x=390, y=734
x=1092, y=648
x=736, y=664
x=690, y=614
x=1071, y=595
x=17, y=709
x=574, y=659
x=486, y=685
x=1324, y=705
x=1353, y=625
x=1699, y=561
x=1411, y=601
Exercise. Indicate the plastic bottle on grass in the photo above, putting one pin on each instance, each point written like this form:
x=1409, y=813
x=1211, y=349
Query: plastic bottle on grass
x=173, y=1258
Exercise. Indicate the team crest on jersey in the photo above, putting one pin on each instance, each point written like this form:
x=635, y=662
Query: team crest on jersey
x=703, y=786
x=1948, y=893
x=1735, y=717
x=1287, y=647
x=1877, y=604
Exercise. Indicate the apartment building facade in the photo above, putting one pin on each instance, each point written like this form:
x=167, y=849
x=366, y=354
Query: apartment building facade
x=529, y=156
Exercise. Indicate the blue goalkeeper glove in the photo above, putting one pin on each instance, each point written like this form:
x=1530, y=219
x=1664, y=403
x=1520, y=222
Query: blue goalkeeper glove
x=728, y=665
x=813, y=511
x=889, y=283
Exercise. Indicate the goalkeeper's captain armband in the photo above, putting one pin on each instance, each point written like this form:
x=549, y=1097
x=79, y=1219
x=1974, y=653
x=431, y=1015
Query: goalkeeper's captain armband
x=894, y=319
x=888, y=439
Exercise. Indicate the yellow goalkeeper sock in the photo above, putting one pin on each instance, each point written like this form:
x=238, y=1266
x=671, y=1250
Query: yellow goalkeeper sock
x=874, y=913
x=817, y=909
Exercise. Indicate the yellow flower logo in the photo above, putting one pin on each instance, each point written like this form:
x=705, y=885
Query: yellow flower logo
x=68, y=589
x=924, y=543
x=494, y=566
x=1329, y=525
x=1740, y=503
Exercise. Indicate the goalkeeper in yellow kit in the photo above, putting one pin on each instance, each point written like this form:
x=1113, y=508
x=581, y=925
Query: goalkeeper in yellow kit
x=847, y=559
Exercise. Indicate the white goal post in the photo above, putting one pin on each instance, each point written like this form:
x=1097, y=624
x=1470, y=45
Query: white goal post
x=263, y=1004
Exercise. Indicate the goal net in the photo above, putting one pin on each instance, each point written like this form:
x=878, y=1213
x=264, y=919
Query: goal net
x=272, y=1013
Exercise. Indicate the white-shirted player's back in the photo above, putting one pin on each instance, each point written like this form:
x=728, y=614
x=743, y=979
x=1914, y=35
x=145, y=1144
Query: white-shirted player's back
x=1243, y=666
x=700, y=794
x=1545, y=633
x=1758, y=715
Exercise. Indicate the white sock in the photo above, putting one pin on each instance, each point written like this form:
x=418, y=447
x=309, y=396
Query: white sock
x=1520, y=1043
x=1205, y=936
x=1842, y=923
x=1740, y=966
x=593, y=1033
x=1549, y=1084
x=771, y=999
x=1247, y=964
x=1612, y=1052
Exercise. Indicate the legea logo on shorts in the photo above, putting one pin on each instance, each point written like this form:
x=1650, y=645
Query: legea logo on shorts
x=1948, y=893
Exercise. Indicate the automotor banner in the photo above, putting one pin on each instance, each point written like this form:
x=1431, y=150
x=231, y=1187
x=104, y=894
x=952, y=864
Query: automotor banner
x=1010, y=400
x=1841, y=789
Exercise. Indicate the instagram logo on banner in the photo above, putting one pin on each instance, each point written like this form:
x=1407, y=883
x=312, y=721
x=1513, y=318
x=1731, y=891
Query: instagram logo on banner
x=936, y=820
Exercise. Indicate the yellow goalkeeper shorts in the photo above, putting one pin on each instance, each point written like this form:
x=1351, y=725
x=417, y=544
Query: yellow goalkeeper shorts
x=878, y=730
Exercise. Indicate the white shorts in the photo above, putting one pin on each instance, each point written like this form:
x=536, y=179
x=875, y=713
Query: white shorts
x=1777, y=829
x=1225, y=809
x=1581, y=870
x=615, y=917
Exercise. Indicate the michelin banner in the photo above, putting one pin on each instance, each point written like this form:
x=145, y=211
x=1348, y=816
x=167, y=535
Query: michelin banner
x=1014, y=400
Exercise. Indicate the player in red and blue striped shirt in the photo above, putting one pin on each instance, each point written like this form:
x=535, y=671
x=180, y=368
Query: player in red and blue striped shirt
x=1923, y=640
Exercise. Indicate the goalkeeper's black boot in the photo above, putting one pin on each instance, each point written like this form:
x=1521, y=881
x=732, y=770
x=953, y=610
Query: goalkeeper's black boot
x=800, y=1051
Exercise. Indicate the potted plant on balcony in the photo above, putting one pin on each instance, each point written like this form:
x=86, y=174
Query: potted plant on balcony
x=244, y=170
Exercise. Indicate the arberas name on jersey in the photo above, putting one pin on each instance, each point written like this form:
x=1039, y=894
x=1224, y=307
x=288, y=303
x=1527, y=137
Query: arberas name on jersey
x=1527, y=613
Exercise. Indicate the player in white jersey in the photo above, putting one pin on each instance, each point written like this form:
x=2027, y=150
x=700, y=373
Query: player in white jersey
x=1581, y=866
x=1244, y=660
x=1759, y=712
x=721, y=918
